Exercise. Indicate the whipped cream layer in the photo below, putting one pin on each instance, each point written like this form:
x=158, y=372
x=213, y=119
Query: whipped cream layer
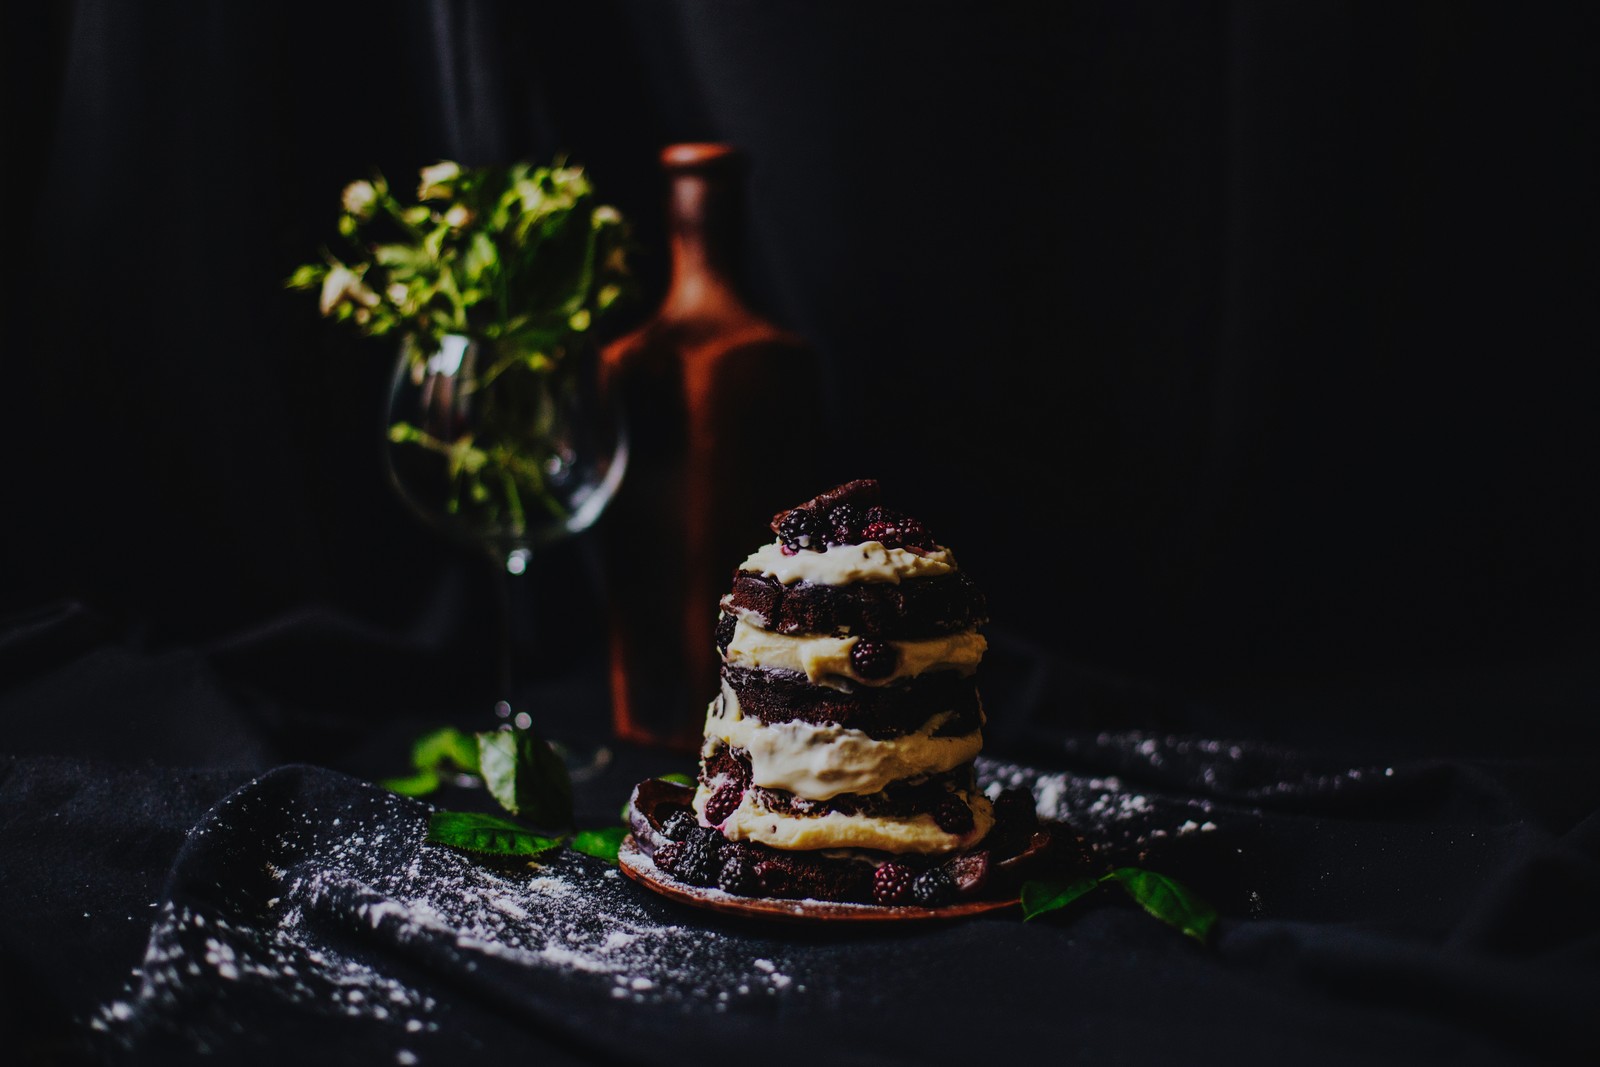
x=826, y=660
x=919, y=834
x=820, y=762
x=870, y=561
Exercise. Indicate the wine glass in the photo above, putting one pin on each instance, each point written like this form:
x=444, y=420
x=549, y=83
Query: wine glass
x=506, y=450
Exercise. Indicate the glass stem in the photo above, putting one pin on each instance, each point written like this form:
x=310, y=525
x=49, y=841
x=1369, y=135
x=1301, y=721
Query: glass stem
x=510, y=583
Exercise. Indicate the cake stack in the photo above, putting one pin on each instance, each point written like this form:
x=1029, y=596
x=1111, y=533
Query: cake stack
x=838, y=756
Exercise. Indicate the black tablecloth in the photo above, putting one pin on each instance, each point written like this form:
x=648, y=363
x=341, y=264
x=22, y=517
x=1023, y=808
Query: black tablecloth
x=176, y=888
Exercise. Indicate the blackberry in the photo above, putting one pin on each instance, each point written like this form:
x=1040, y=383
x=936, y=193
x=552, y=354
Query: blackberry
x=722, y=802
x=666, y=856
x=915, y=535
x=1015, y=820
x=680, y=823
x=694, y=860
x=775, y=880
x=844, y=525
x=882, y=524
x=895, y=530
x=891, y=882
x=953, y=815
x=724, y=631
x=933, y=888
x=1014, y=809
x=874, y=659
x=738, y=876
x=799, y=529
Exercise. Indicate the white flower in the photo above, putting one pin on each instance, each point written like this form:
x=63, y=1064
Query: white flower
x=343, y=285
x=436, y=180
x=458, y=216
x=358, y=198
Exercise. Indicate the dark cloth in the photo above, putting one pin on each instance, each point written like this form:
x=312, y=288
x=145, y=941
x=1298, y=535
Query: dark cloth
x=1405, y=910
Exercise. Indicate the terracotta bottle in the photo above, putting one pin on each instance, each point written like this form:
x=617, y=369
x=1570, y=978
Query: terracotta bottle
x=723, y=408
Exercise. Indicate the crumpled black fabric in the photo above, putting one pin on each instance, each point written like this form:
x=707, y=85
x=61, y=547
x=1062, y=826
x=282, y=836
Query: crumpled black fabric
x=173, y=836
x=1415, y=912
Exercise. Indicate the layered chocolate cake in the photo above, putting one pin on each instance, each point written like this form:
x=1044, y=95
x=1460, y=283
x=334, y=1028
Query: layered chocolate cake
x=838, y=756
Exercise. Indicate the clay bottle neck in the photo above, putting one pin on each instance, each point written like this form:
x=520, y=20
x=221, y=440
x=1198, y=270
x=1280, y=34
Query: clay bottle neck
x=704, y=204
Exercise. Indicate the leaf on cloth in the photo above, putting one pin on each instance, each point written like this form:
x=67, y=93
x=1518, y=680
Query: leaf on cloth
x=526, y=776
x=603, y=844
x=1041, y=898
x=490, y=834
x=1168, y=900
x=1162, y=896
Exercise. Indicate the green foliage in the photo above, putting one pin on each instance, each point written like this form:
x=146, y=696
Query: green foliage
x=432, y=755
x=518, y=252
x=487, y=834
x=1042, y=897
x=522, y=262
x=1168, y=900
x=526, y=776
x=602, y=844
x=1162, y=896
x=527, y=779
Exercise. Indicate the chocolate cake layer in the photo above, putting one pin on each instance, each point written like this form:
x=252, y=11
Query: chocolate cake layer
x=914, y=608
x=879, y=712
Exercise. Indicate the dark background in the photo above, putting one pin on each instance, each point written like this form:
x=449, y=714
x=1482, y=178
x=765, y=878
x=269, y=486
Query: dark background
x=1245, y=352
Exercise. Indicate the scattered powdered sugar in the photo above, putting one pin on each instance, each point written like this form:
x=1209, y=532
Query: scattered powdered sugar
x=1108, y=812
x=318, y=925
x=1145, y=788
x=186, y=948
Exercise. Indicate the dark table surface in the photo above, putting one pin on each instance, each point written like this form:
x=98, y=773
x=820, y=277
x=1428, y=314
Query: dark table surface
x=195, y=865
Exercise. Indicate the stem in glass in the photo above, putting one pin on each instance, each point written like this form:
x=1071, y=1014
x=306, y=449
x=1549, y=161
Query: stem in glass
x=511, y=586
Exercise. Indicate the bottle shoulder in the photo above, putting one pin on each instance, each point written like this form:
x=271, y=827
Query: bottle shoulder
x=698, y=338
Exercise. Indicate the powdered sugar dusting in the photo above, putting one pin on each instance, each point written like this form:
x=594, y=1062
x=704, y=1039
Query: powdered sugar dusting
x=1108, y=811
x=1135, y=789
x=369, y=889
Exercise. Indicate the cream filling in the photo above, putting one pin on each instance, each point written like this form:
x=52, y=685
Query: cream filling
x=870, y=561
x=826, y=660
x=750, y=821
x=820, y=762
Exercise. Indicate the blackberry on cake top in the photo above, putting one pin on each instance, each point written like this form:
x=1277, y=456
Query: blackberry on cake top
x=850, y=514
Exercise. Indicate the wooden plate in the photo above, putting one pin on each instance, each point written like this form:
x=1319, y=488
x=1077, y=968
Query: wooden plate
x=636, y=865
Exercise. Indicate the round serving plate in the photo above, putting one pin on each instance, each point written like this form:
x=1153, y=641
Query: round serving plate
x=638, y=866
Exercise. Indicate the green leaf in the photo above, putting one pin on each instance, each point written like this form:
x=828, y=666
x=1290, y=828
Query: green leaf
x=1168, y=900
x=490, y=834
x=415, y=785
x=601, y=843
x=1042, y=897
x=526, y=776
x=431, y=754
x=446, y=745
